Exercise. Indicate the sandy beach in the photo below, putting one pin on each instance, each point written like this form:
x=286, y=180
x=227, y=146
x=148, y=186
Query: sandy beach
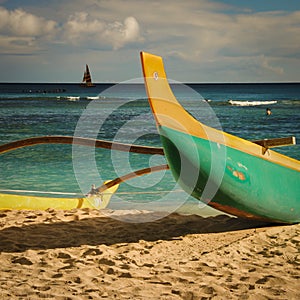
x=88, y=254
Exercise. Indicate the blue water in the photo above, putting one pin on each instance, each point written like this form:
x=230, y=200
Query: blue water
x=122, y=113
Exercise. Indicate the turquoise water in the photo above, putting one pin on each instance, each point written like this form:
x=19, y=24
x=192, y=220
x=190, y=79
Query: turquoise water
x=121, y=113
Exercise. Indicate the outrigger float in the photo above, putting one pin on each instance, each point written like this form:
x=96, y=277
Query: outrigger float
x=233, y=175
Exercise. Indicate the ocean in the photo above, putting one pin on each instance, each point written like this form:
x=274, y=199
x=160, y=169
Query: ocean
x=120, y=112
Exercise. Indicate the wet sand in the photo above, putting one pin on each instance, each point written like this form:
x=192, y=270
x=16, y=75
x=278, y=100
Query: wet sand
x=88, y=254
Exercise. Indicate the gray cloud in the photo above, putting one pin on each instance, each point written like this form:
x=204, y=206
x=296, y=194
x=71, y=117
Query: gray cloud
x=81, y=28
x=21, y=31
x=21, y=23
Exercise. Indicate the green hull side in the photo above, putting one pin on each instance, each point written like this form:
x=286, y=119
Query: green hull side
x=232, y=180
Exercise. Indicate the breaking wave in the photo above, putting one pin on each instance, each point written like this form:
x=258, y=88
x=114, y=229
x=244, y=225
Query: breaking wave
x=251, y=103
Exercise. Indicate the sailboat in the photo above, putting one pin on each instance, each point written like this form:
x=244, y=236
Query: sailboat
x=240, y=177
x=87, y=78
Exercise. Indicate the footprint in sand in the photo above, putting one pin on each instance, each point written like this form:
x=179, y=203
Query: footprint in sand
x=22, y=261
x=63, y=255
x=263, y=280
x=58, y=275
x=92, y=252
x=105, y=261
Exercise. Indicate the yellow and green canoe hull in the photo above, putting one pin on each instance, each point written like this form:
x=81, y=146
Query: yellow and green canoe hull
x=247, y=185
x=228, y=173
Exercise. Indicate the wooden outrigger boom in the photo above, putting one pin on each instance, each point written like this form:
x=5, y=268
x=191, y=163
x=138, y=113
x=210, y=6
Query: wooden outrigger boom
x=71, y=140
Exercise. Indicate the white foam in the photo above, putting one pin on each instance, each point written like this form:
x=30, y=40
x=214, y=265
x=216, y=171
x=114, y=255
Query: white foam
x=93, y=98
x=251, y=103
x=73, y=98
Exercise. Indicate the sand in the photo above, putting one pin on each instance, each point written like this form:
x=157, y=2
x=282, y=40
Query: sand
x=88, y=254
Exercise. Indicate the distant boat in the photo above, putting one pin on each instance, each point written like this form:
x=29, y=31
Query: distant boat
x=87, y=78
x=233, y=175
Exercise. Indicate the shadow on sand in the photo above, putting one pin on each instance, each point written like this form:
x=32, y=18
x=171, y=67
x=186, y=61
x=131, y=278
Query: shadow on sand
x=105, y=230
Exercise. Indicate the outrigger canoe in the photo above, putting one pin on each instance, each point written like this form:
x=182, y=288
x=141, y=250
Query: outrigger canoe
x=233, y=175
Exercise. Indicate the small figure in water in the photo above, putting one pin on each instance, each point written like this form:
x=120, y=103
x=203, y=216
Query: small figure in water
x=268, y=112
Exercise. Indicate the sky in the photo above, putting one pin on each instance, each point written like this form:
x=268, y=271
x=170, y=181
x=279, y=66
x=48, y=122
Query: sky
x=200, y=40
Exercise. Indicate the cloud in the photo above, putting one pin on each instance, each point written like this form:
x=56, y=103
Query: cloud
x=20, y=31
x=18, y=45
x=119, y=34
x=79, y=25
x=82, y=28
x=21, y=23
x=265, y=63
x=211, y=38
x=131, y=30
x=214, y=34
